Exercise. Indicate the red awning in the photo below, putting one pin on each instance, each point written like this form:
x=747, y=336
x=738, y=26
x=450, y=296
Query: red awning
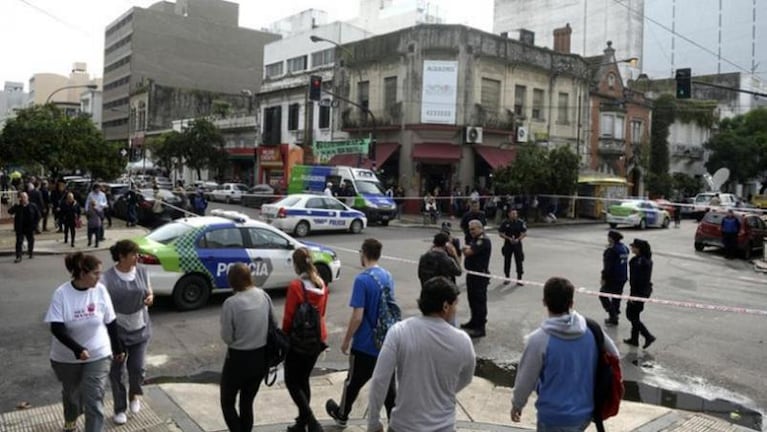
x=438, y=152
x=383, y=153
x=494, y=156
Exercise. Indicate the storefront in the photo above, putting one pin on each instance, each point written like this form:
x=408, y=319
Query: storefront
x=490, y=159
x=436, y=166
x=386, y=161
x=241, y=168
x=275, y=163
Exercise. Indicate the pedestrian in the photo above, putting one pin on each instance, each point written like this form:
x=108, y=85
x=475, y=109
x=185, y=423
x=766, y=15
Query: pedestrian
x=308, y=287
x=46, y=200
x=131, y=292
x=25, y=219
x=199, y=203
x=614, y=275
x=36, y=199
x=181, y=193
x=477, y=253
x=640, y=281
x=329, y=189
x=98, y=199
x=440, y=260
x=69, y=215
x=474, y=213
x=366, y=295
x=730, y=229
x=244, y=324
x=57, y=196
x=447, y=228
x=131, y=202
x=108, y=208
x=559, y=362
x=95, y=217
x=158, y=207
x=677, y=214
x=433, y=361
x=399, y=199
x=84, y=343
x=513, y=230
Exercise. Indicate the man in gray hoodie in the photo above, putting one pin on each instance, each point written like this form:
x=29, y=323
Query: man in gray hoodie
x=559, y=362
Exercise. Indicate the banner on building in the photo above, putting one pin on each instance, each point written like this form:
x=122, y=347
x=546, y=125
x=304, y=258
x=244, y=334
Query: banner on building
x=325, y=150
x=270, y=156
x=440, y=89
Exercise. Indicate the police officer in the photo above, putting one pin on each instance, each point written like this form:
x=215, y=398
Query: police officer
x=474, y=213
x=477, y=253
x=614, y=275
x=513, y=230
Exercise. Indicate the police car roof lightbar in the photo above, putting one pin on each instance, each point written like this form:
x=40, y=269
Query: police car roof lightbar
x=231, y=215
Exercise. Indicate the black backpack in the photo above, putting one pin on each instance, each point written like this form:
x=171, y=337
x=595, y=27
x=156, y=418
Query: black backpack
x=305, y=331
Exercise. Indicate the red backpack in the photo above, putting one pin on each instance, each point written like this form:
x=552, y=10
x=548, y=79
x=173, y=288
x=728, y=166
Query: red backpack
x=608, y=380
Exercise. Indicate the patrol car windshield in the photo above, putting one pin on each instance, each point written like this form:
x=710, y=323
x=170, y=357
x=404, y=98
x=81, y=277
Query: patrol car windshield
x=169, y=232
x=370, y=188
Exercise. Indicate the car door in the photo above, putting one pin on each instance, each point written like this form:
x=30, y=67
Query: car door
x=271, y=256
x=337, y=220
x=651, y=213
x=219, y=248
x=318, y=214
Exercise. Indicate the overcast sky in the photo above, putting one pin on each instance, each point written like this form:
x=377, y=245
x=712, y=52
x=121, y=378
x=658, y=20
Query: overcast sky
x=50, y=35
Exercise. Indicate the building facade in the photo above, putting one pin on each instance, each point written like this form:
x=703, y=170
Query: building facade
x=64, y=91
x=384, y=16
x=12, y=97
x=190, y=44
x=90, y=103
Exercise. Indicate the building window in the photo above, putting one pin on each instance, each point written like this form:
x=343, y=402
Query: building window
x=323, y=57
x=121, y=62
x=563, y=108
x=611, y=126
x=363, y=93
x=293, y=111
x=272, y=125
x=390, y=92
x=122, y=42
x=297, y=64
x=636, y=131
x=324, y=122
x=537, y=104
x=273, y=70
x=520, y=93
x=491, y=95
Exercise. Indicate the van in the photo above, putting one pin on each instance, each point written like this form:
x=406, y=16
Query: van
x=703, y=204
x=365, y=192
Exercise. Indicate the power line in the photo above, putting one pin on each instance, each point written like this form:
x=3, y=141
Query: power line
x=55, y=18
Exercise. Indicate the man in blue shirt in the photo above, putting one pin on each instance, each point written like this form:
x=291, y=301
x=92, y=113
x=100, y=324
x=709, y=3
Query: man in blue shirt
x=366, y=294
x=730, y=230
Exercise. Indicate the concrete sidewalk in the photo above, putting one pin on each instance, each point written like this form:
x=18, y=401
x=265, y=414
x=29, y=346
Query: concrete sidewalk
x=52, y=242
x=480, y=407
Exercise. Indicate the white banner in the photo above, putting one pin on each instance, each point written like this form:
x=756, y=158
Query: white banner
x=440, y=89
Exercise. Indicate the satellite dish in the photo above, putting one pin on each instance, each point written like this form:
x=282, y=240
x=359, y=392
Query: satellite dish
x=709, y=180
x=720, y=177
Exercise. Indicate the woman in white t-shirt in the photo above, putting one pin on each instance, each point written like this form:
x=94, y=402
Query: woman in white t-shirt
x=84, y=329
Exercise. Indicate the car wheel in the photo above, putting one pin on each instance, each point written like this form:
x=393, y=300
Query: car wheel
x=325, y=274
x=191, y=292
x=613, y=225
x=642, y=224
x=666, y=222
x=699, y=246
x=384, y=223
x=356, y=226
x=302, y=229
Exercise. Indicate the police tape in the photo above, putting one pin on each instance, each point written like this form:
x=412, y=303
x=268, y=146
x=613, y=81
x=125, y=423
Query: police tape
x=583, y=290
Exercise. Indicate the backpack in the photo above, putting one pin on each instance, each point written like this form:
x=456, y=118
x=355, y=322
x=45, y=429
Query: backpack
x=305, y=330
x=389, y=312
x=608, y=379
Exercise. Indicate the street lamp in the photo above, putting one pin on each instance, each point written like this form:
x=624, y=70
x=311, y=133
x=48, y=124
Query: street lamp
x=89, y=86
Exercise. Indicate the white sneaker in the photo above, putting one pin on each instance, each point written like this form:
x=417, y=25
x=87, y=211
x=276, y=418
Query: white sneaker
x=135, y=406
x=120, y=418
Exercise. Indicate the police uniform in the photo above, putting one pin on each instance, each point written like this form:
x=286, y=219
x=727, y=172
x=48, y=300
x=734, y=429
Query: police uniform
x=476, y=286
x=513, y=229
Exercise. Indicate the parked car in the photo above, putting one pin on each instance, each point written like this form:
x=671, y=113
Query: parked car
x=702, y=203
x=147, y=217
x=258, y=195
x=750, y=237
x=667, y=205
x=688, y=209
x=162, y=182
x=302, y=213
x=638, y=213
x=229, y=192
x=188, y=259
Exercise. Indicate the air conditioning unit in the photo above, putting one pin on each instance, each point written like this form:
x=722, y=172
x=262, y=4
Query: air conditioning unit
x=521, y=134
x=473, y=135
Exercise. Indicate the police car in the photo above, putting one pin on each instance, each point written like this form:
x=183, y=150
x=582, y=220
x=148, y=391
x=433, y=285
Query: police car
x=302, y=213
x=638, y=213
x=189, y=258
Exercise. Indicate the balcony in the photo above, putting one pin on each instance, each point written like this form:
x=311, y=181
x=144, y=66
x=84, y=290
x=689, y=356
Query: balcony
x=490, y=119
x=683, y=151
x=611, y=146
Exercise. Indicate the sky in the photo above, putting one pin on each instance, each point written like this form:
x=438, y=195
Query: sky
x=50, y=35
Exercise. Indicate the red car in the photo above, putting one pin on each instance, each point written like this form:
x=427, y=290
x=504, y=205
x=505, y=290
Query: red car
x=666, y=205
x=750, y=238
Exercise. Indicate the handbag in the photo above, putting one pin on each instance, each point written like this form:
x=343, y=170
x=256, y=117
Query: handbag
x=277, y=344
x=78, y=223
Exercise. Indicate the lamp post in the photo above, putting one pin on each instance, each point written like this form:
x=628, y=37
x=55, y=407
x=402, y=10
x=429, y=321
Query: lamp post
x=89, y=86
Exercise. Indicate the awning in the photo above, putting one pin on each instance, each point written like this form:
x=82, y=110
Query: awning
x=383, y=153
x=494, y=156
x=437, y=152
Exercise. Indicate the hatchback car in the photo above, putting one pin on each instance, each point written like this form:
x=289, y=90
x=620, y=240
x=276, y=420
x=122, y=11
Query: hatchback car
x=258, y=195
x=750, y=237
x=302, y=213
x=229, y=192
x=189, y=258
x=638, y=213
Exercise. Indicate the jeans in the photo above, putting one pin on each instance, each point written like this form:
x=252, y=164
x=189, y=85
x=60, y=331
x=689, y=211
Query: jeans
x=242, y=373
x=361, y=368
x=476, y=290
x=83, y=387
x=578, y=428
x=134, y=364
x=20, y=236
x=298, y=369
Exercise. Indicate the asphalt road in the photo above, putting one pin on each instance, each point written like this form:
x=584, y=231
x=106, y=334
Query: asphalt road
x=705, y=353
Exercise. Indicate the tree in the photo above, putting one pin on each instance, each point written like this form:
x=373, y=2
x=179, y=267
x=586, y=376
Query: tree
x=740, y=145
x=537, y=170
x=563, y=171
x=659, y=182
x=686, y=185
x=199, y=146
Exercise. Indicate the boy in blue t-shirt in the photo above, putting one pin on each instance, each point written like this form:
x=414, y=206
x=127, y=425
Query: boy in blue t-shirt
x=366, y=294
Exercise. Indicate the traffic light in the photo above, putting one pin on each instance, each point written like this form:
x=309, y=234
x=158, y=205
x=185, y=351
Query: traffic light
x=315, y=88
x=683, y=83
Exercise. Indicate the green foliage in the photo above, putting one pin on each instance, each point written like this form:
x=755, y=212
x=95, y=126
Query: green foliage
x=740, y=145
x=659, y=182
x=537, y=170
x=701, y=112
x=44, y=135
x=199, y=146
x=686, y=185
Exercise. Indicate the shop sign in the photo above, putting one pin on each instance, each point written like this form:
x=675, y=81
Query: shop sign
x=440, y=90
x=325, y=150
x=270, y=156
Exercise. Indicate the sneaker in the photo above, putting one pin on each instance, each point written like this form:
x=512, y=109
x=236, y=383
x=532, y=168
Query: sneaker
x=314, y=426
x=70, y=426
x=466, y=325
x=334, y=411
x=648, y=341
x=298, y=426
x=120, y=418
x=135, y=406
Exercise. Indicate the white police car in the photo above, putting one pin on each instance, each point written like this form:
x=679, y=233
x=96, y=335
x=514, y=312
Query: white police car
x=189, y=258
x=302, y=213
